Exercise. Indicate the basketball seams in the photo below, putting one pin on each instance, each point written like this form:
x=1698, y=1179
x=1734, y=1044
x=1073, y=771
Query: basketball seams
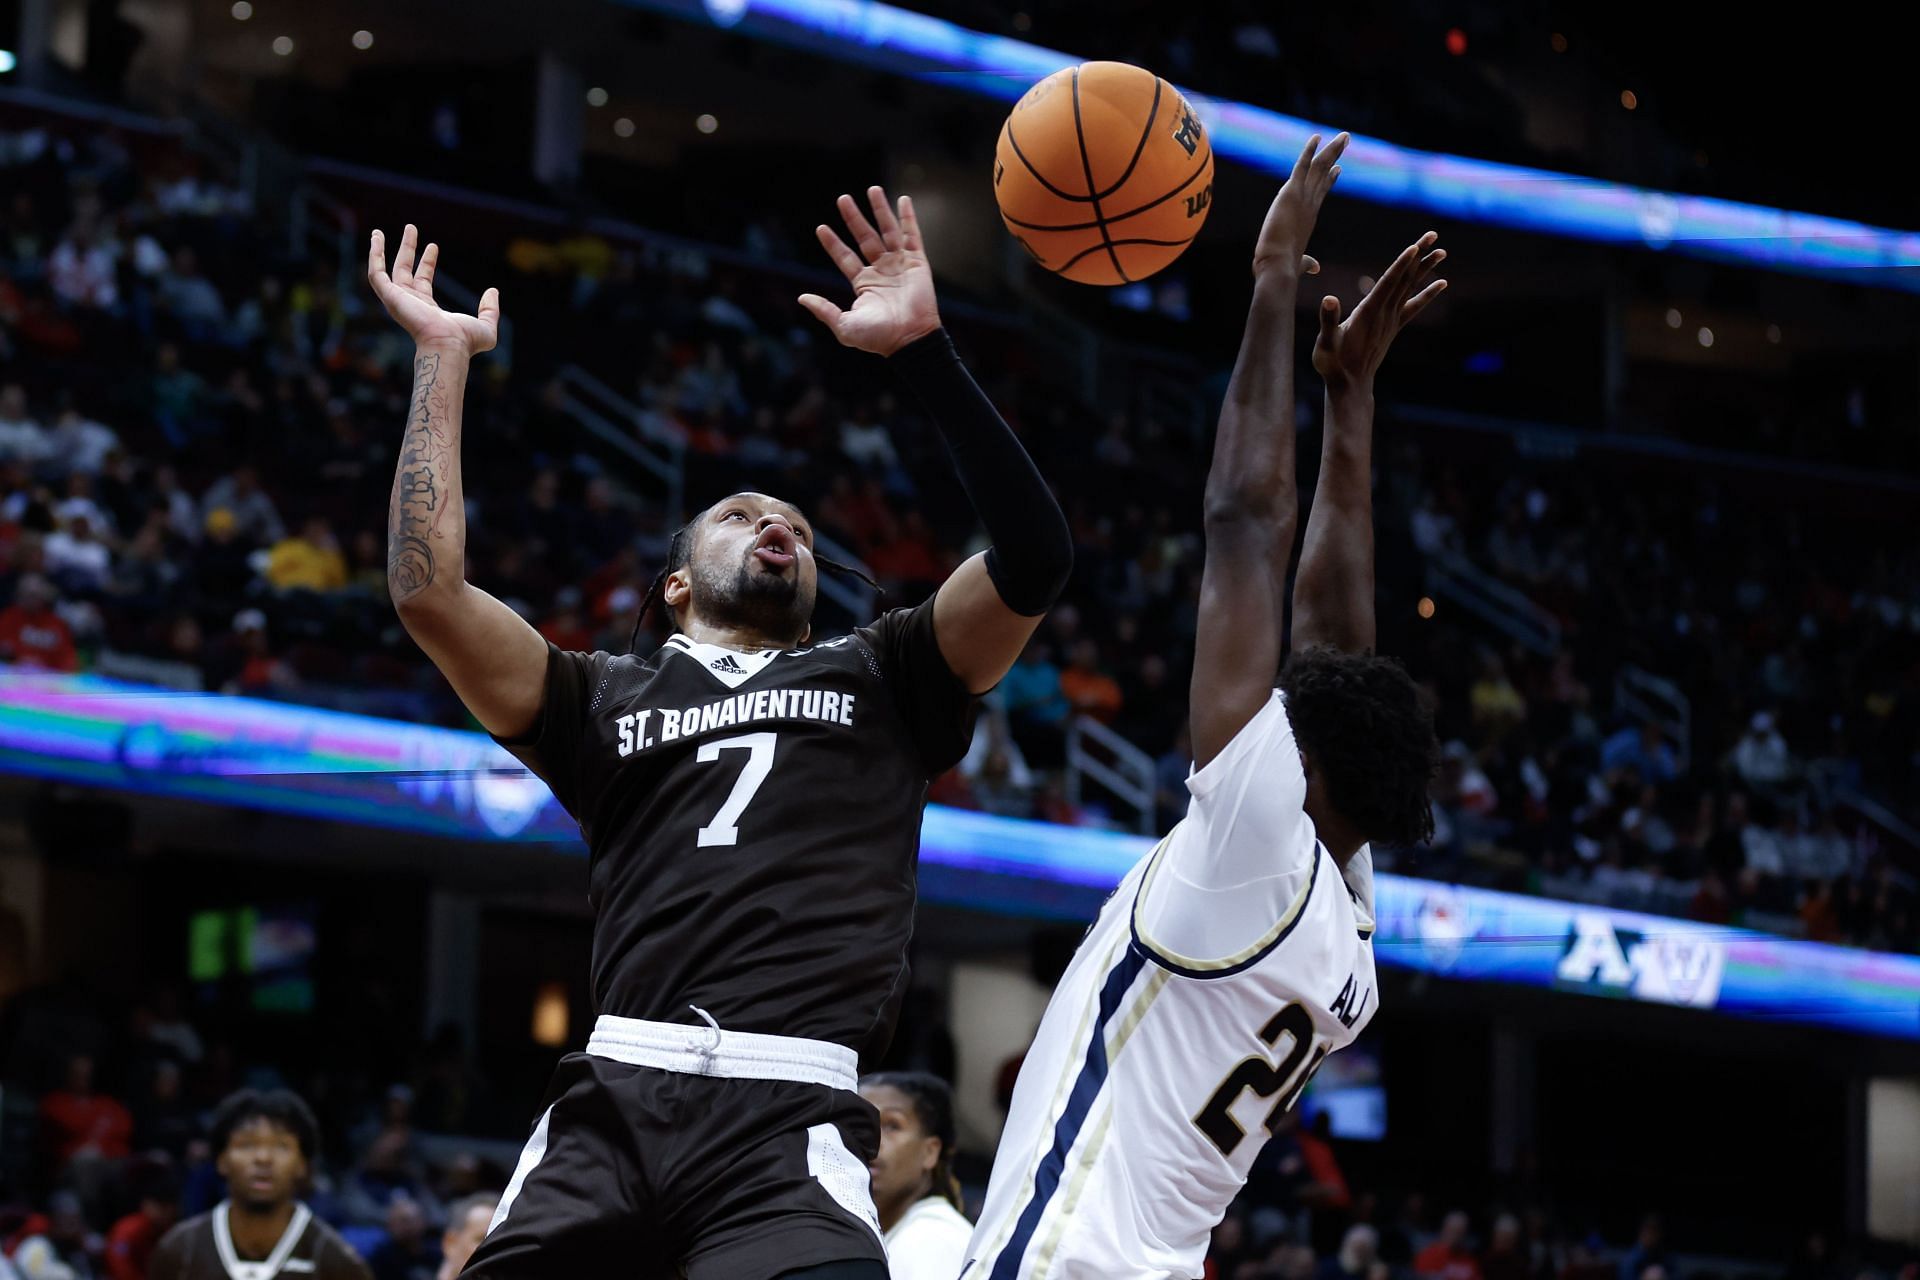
x=1120, y=244
x=1086, y=164
x=1041, y=178
x=1139, y=149
x=1205, y=166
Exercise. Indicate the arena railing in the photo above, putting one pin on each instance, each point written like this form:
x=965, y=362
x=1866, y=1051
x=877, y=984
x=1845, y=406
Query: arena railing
x=1452, y=576
x=1098, y=753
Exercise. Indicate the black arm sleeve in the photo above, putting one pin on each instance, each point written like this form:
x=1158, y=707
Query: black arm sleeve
x=1032, y=551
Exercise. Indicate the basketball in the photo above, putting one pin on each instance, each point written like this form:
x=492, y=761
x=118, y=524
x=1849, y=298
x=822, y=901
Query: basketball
x=1103, y=173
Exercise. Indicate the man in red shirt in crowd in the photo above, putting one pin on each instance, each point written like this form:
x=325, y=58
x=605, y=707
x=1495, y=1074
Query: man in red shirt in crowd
x=76, y=1121
x=131, y=1242
x=1449, y=1257
x=31, y=633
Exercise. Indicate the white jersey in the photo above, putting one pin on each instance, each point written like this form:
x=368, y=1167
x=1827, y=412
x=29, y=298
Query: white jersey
x=1223, y=970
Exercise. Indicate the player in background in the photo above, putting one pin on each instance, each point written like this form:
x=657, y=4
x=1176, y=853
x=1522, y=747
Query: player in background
x=266, y=1144
x=1239, y=953
x=751, y=801
x=913, y=1184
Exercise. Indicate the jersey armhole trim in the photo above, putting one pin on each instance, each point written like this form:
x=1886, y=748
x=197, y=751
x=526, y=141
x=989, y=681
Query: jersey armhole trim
x=1241, y=961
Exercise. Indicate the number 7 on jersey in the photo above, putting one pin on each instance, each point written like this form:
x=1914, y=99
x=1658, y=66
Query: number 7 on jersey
x=725, y=827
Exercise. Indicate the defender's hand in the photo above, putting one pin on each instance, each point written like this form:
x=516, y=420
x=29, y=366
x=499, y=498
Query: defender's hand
x=407, y=295
x=1348, y=352
x=893, y=301
x=1290, y=219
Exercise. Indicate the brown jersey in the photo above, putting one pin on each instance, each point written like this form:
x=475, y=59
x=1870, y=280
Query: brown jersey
x=754, y=821
x=202, y=1248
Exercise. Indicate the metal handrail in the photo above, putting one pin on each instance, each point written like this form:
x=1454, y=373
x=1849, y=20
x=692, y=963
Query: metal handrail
x=1474, y=589
x=1646, y=696
x=1128, y=775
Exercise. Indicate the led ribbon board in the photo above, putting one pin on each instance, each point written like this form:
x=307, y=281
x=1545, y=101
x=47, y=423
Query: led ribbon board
x=349, y=768
x=931, y=49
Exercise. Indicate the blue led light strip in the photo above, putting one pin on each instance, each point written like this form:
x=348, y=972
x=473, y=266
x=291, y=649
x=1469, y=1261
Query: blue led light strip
x=348, y=768
x=931, y=49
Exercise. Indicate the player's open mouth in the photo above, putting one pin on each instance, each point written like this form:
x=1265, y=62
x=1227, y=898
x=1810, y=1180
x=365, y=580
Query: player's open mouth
x=775, y=547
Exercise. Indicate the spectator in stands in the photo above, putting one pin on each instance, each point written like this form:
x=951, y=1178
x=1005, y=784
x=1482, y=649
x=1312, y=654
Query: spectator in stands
x=131, y=1243
x=1506, y=1257
x=222, y=566
x=867, y=444
x=390, y=1170
x=81, y=270
x=309, y=560
x=31, y=633
x=85, y=1133
x=1088, y=689
x=1359, y=1251
x=906, y=556
x=239, y=493
x=1649, y=1250
x=1497, y=706
x=1450, y=1256
x=64, y=1248
x=1642, y=748
x=78, y=443
x=192, y=300
x=1036, y=706
x=182, y=514
x=77, y=560
x=467, y=1223
x=22, y=439
x=1761, y=757
x=179, y=398
x=163, y=1119
x=409, y=1251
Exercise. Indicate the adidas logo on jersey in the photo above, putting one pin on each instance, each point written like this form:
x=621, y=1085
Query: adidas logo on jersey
x=726, y=664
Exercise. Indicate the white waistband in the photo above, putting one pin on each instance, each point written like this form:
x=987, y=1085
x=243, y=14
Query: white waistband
x=734, y=1055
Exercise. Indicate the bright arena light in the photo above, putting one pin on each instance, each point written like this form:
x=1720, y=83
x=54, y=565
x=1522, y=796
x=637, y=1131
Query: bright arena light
x=596, y=97
x=1706, y=336
x=241, y=10
x=1673, y=318
x=623, y=127
x=706, y=123
x=363, y=39
x=283, y=45
x=7, y=61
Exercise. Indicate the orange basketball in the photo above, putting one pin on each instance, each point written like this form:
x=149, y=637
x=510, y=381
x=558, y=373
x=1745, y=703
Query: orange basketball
x=1103, y=173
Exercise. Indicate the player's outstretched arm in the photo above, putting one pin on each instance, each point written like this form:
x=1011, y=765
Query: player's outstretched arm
x=1333, y=592
x=985, y=612
x=1251, y=508
x=491, y=657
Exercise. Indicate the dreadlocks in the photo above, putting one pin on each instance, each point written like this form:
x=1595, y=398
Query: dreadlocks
x=680, y=551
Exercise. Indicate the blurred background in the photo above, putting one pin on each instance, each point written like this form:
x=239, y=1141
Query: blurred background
x=1646, y=489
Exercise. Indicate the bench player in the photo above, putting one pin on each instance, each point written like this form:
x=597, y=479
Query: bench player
x=751, y=800
x=1238, y=954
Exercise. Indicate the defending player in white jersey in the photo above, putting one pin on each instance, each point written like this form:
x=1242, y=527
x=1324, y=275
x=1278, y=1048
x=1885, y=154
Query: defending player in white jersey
x=1239, y=953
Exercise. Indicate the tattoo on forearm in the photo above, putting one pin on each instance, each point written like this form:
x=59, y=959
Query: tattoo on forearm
x=421, y=484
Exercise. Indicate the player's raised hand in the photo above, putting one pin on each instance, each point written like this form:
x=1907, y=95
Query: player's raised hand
x=893, y=301
x=1348, y=352
x=407, y=294
x=1290, y=219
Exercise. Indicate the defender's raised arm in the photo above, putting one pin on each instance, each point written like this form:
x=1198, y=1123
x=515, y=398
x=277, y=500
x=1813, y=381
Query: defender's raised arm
x=1251, y=508
x=1333, y=592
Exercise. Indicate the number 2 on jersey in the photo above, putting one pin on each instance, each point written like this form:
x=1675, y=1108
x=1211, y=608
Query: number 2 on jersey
x=1264, y=1078
x=725, y=827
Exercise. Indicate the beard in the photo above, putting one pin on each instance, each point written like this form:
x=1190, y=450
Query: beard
x=746, y=596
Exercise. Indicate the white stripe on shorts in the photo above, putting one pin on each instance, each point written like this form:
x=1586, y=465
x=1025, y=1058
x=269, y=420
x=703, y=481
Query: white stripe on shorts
x=531, y=1155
